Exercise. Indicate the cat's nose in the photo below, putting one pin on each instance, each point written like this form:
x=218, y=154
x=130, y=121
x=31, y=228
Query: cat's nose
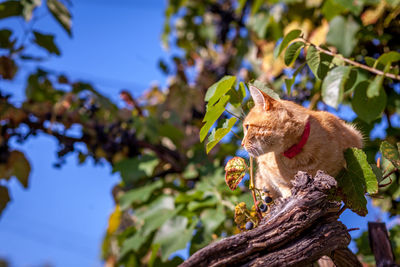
x=242, y=144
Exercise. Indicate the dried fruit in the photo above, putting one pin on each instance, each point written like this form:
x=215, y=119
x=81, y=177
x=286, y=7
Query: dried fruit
x=249, y=225
x=268, y=199
x=235, y=170
x=263, y=208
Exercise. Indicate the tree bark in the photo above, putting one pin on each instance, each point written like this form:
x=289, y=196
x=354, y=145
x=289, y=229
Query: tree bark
x=380, y=244
x=297, y=231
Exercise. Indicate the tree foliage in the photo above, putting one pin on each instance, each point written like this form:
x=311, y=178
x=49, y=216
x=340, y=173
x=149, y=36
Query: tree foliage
x=323, y=54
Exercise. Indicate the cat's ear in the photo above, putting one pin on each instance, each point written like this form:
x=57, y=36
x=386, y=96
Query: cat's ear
x=260, y=98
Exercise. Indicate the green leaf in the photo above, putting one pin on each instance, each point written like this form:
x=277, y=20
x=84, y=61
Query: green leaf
x=61, y=13
x=237, y=96
x=357, y=179
x=391, y=153
x=219, y=89
x=375, y=86
x=331, y=9
x=342, y=34
x=139, y=195
x=333, y=85
x=318, y=62
x=370, y=61
x=212, y=219
x=387, y=58
x=4, y=198
x=259, y=24
x=292, y=52
x=235, y=170
x=367, y=108
x=212, y=115
x=10, y=9
x=47, y=42
x=285, y=42
x=219, y=133
x=174, y=235
x=263, y=87
x=354, y=7
x=20, y=166
x=209, y=201
x=133, y=169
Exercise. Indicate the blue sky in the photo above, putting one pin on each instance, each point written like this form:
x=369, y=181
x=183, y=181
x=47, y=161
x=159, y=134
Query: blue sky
x=63, y=215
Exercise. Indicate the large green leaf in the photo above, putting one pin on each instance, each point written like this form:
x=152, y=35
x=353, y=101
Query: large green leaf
x=387, y=58
x=331, y=9
x=391, y=153
x=218, y=134
x=334, y=84
x=342, y=34
x=356, y=180
x=237, y=96
x=4, y=198
x=10, y=9
x=285, y=41
x=292, y=52
x=47, y=42
x=139, y=195
x=212, y=115
x=368, y=108
x=318, y=62
x=134, y=169
x=219, y=89
x=61, y=13
x=174, y=235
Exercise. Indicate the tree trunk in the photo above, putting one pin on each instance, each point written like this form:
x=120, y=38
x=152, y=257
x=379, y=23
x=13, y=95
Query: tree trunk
x=297, y=231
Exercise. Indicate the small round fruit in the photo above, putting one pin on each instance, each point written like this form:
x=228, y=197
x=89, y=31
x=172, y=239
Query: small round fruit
x=263, y=207
x=249, y=225
x=268, y=199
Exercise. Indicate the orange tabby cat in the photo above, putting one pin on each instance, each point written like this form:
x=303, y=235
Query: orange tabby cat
x=287, y=138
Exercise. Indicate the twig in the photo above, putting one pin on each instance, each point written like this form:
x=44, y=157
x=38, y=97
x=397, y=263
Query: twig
x=234, y=115
x=352, y=62
x=252, y=188
x=342, y=210
x=238, y=137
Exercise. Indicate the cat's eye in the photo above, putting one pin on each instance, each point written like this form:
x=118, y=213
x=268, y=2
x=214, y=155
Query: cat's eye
x=246, y=126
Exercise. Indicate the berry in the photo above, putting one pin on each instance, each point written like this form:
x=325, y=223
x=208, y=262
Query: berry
x=268, y=199
x=249, y=225
x=263, y=207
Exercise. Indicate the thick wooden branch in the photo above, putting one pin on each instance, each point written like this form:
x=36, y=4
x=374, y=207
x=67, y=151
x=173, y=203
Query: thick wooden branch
x=296, y=232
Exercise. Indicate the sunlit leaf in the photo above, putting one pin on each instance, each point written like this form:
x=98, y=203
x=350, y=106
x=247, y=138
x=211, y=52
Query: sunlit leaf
x=217, y=134
x=235, y=170
x=285, y=41
x=219, y=89
x=212, y=115
x=114, y=220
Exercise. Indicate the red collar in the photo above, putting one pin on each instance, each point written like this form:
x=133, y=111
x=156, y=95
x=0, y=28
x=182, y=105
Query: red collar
x=296, y=148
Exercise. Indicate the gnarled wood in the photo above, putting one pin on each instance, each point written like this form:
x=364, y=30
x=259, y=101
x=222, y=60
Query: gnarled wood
x=296, y=232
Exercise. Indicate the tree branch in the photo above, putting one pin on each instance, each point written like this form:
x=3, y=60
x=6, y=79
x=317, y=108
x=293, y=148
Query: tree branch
x=296, y=232
x=354, y=63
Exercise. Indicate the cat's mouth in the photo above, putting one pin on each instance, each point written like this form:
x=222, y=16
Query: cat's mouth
x=254, y=152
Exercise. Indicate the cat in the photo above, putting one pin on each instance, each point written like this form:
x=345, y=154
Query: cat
x=286, y=138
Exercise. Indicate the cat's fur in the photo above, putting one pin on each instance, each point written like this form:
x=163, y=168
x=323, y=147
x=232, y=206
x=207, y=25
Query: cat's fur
x=272, y=126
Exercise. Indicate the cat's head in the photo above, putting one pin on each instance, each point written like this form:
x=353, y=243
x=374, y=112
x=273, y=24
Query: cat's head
x=272, y=124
